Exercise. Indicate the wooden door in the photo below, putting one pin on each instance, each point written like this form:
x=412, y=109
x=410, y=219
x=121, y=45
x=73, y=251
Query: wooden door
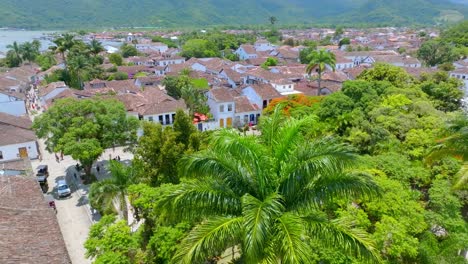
x=23, y=153
x=221, y=123
x=229, y=122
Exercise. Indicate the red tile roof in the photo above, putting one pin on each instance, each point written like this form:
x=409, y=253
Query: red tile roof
x=30, y=232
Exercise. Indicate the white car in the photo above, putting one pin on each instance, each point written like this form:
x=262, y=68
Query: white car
x=62, y=188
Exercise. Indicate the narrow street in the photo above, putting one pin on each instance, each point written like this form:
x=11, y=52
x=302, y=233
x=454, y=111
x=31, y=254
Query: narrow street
x=72, y=214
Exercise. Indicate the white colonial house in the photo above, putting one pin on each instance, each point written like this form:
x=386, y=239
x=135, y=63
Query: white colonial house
x=222, y=106
x=261, y=94
x=343, y=63
x=162, y=61
x=17, y=140
x=156, y=46
x=245, y=112
x=461, y=74
x=284, y=87
x=246, y=52
x=263, y=45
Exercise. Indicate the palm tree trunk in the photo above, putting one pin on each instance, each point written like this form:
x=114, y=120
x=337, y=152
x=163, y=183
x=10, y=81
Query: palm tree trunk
x=319, y=80
x=123, y=206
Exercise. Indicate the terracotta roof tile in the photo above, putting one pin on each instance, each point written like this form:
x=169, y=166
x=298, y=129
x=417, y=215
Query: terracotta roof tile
x=243, y=105
x=221, y=95
x=30, y=232
x=265, y=91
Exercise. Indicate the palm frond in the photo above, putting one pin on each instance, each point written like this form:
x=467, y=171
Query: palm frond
x=102, y=193
x=306, y=163
x=209, y=238
x=291, y=240
x=259, y=221
x=202, y=197
x=340, y=235
x=341, y=185
x=211, y=164
x=288, y=137
x=461, y=181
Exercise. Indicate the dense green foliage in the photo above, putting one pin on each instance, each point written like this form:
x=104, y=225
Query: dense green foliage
x=57, y=14
x=84, y=128
x=240, y=196
x=451, y=46
x=82, y=62
x=190, y=89
x=19, y=53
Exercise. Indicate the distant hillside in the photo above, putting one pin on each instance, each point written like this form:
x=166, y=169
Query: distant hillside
x=58, y=14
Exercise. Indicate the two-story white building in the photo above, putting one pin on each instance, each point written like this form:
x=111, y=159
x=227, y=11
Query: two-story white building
x=222, y=106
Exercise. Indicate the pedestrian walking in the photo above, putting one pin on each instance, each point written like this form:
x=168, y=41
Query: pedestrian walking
x=57, y=158
x=118, y=158
x=61, y=155
x=98, y=169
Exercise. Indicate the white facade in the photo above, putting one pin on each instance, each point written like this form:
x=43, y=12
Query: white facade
x=463, y=76
x=12, y=152
x=263, y=46
x=284, y=88
x=343, y=65
x=152, y=46
x=165, y=62
x=243, y=55
x=163, y=119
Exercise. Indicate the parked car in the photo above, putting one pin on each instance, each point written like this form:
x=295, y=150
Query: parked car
x=42, y=173
x=63, y=189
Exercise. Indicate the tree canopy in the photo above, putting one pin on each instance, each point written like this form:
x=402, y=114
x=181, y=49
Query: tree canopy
x=85, y=128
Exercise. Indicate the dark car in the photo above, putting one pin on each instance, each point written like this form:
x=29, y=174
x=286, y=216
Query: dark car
x=42, y=173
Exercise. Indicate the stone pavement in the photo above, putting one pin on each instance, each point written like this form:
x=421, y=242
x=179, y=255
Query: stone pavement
x=74, y=214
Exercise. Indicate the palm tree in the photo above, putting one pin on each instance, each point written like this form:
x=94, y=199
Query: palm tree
x=64, y=44
x=265, y=195
x=102, y=193
x=15, y=53
x=28, y=52
x=77, y=64
x=95, y=47
x=319, y=60
x=456, y=144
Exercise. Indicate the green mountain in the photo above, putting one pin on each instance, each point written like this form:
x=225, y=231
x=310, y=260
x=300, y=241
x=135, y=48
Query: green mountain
x=58, y=14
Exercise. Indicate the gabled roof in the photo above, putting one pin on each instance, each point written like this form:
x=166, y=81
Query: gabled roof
x=15, y=130
x=243, y=105
x=151, y=101
x=30, y=232
x=50, y=87
x=265, y=91
x=249, y=49
x=221, y=95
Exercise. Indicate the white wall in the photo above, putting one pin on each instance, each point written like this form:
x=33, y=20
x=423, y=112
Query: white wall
x=156, y=118
x=11, y=152
x=284, y=88
x=253, y=97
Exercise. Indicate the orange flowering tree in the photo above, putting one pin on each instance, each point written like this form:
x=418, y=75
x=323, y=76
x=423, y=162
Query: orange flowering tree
x=295, y=105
